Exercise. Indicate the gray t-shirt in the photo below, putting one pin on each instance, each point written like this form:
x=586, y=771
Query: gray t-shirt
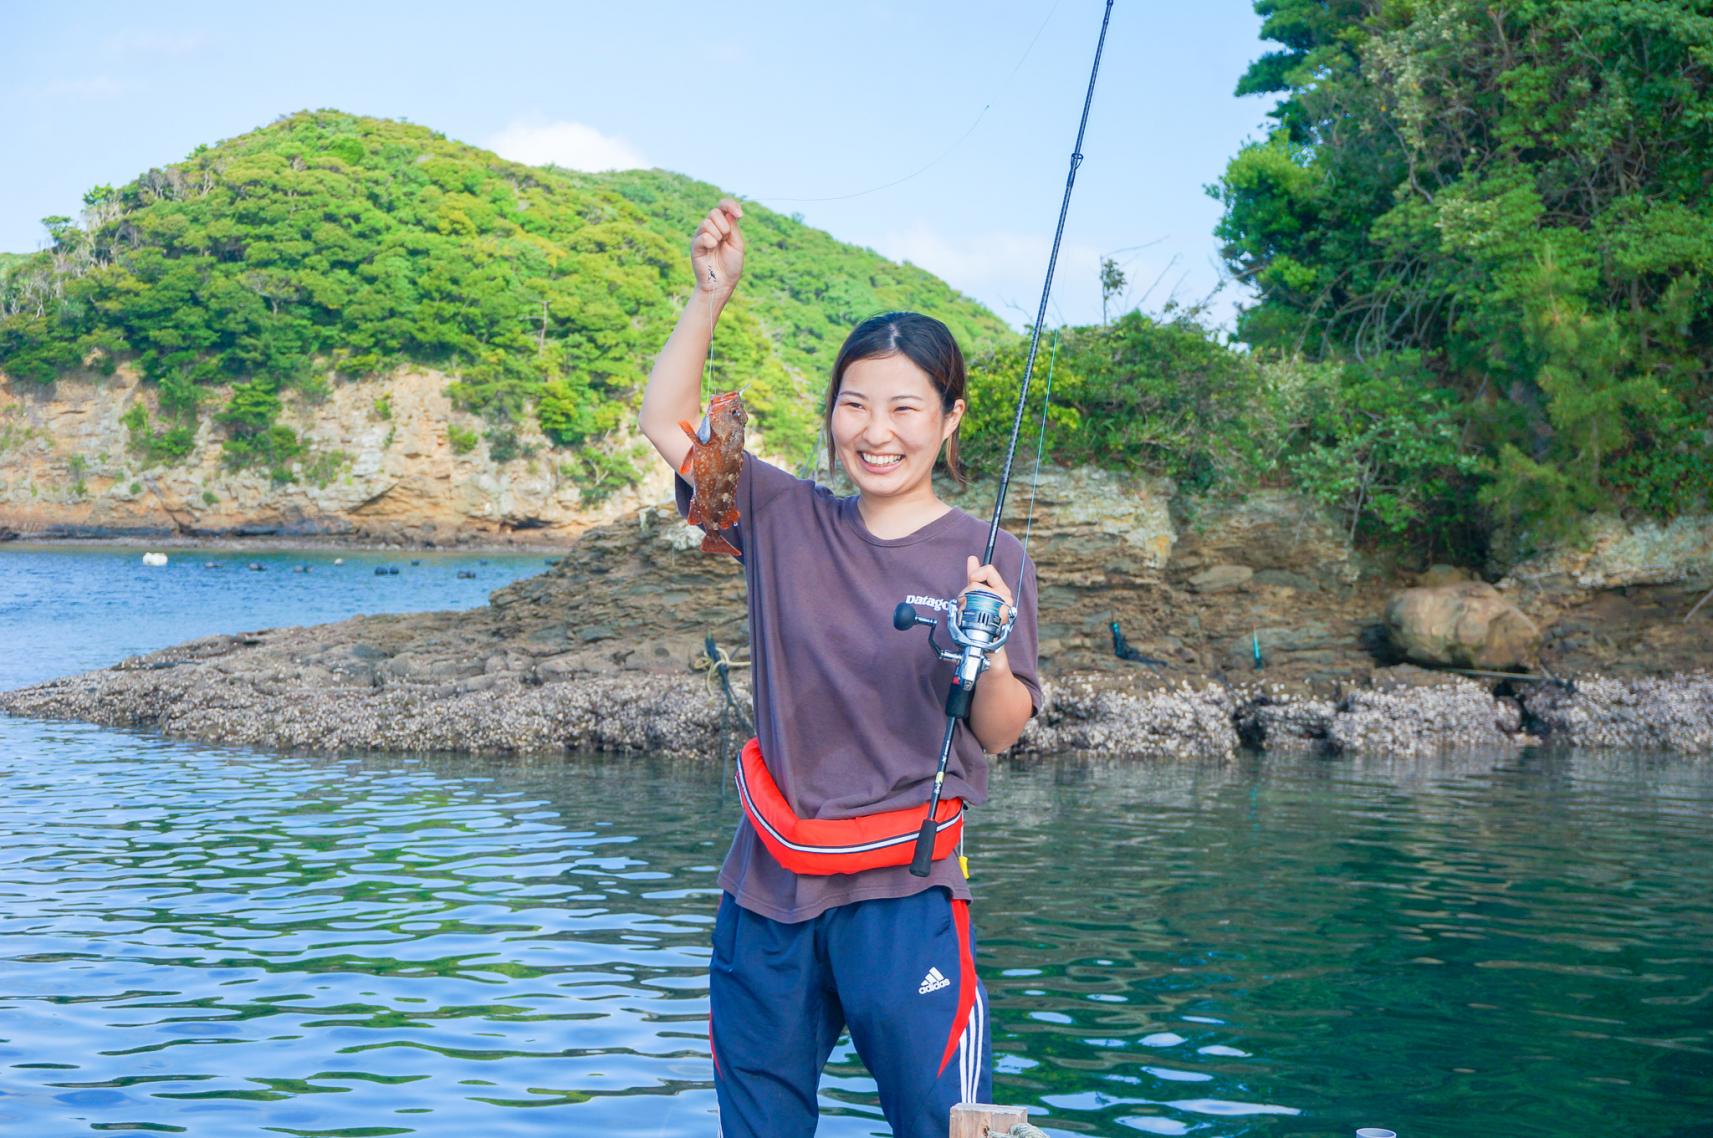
x=848, y=709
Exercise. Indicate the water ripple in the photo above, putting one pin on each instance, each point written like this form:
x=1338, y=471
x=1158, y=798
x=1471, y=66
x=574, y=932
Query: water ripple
x=225, y=942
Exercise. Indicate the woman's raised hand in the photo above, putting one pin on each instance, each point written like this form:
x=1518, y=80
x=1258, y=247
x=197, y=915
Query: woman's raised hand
x=716, y=252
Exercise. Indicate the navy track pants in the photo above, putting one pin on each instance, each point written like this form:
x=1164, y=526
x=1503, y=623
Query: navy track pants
x=898, y=971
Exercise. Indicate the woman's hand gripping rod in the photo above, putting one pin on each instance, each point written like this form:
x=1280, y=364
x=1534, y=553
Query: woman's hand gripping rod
x=981, y=626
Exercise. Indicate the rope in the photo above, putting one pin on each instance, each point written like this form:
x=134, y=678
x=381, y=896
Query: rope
x=716, y=661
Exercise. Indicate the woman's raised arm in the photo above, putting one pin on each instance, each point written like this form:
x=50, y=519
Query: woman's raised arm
x=674, y=386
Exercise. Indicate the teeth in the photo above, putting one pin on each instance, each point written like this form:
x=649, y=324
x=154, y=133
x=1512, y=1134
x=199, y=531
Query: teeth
x=881, y=459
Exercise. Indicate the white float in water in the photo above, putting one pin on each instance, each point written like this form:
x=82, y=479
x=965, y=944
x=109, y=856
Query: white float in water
x=1376, y=1132
x=154, y=559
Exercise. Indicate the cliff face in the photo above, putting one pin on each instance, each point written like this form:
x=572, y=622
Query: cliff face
x=380, y=465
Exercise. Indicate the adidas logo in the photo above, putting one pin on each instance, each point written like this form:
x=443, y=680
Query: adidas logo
x=933, y=982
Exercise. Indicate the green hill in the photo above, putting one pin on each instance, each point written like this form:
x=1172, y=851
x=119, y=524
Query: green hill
x=328, y=247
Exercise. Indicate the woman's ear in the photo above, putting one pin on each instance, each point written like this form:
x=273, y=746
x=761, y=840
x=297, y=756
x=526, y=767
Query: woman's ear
x=953, y=418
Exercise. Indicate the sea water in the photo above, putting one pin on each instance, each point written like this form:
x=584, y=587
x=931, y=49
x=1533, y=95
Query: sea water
x=223, y=941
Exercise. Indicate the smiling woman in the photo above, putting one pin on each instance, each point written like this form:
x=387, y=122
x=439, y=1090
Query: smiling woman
x=808, y=940
x=895, y=400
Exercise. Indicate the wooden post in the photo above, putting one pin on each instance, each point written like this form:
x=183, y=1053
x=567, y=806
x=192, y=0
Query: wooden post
x=984, y=1120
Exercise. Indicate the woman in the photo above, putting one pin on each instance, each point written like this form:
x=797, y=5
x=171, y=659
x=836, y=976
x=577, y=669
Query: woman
x=848, y=719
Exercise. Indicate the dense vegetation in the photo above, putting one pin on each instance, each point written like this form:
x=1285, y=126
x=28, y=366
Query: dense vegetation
x=329, y=247
x=1481, y=237
x=1494, y=217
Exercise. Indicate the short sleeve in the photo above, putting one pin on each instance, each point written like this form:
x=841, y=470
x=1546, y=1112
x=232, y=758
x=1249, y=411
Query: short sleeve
x=759, y=482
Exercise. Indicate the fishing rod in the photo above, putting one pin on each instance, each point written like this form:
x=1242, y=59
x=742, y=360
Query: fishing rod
x=979, y=628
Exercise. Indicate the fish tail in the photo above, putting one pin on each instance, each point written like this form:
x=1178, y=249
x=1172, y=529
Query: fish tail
x=714, y=543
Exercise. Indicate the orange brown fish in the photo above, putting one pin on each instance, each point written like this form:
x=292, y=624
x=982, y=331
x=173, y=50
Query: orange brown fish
x=712, y=466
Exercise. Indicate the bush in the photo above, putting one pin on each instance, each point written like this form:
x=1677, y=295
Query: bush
x=153, y=444
x=1165, y=397
x=274, y=448
x=463, y=439
x=503, y=445
x=1385, y=449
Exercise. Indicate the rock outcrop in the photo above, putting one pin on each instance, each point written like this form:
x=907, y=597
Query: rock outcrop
x=1463, y=625
x=380, y=465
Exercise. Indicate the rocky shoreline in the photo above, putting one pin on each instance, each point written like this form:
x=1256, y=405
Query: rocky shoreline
x=254, y=690
x=601, y=652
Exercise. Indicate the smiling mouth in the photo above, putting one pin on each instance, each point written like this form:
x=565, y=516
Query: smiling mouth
x=879, y=461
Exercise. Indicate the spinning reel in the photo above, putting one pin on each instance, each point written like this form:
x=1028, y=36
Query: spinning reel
x=977, y=630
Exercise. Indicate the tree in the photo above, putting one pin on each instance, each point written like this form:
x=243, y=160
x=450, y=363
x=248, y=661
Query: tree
x=1514, y=197
x=1112, y=282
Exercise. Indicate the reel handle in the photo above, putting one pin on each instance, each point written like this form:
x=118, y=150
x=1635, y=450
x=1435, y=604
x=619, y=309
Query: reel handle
x=959, y=697
x=905, y=617
x=924, y=857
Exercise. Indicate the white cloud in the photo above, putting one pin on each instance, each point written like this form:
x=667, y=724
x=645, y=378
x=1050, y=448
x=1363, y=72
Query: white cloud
x=573, y=145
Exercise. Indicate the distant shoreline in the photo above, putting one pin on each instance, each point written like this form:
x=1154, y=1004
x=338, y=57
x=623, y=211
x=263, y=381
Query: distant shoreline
x=265, y=542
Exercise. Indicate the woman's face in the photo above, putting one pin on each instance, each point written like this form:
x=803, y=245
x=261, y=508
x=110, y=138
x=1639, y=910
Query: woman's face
x=887, y=425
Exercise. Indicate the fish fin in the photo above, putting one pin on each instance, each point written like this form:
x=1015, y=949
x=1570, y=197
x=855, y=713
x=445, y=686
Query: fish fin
x=694, y=514
x=731, y=518
x=714, y=543
x=689, y=462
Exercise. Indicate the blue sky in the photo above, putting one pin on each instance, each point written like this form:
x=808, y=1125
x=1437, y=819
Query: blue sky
x=774, y=101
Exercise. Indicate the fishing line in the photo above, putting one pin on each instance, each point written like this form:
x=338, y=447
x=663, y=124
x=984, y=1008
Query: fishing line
x=1046, y=295
x=947, y=152
x=980, y=626
x=708, y=364
x=1041, y=443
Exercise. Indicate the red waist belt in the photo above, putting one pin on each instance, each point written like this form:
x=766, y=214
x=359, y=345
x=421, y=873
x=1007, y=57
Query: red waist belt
x=820, y=846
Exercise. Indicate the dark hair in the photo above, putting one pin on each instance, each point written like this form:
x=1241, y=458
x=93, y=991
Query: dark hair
x=923, y=341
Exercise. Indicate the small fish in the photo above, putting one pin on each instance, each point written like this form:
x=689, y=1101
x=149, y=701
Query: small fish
x=712, y=466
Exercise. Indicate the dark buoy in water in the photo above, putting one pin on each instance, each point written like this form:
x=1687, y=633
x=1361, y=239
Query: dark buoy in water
x=392, y=570
x=414, y=561
x=483, y=561
x=257, y=567
x=466, y=574
x=380, y=570
x=213, y=564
